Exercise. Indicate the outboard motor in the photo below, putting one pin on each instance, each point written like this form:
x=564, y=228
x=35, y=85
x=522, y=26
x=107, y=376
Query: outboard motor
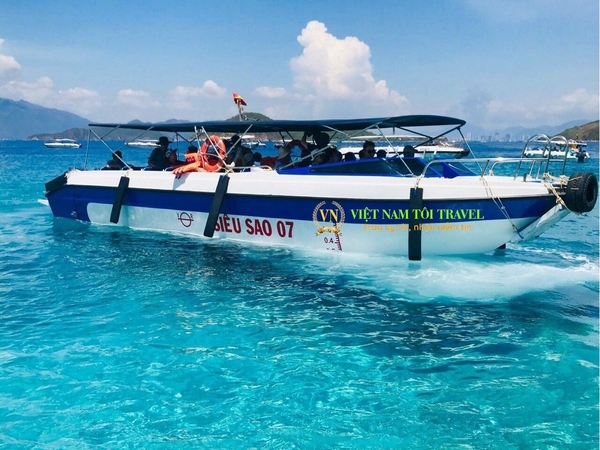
x=581, y=193
x=581, y=156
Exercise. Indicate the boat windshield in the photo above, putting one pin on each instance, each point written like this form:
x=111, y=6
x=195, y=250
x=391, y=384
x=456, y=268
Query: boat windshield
x=445, y=169
x=370, y=167
x=386, y=167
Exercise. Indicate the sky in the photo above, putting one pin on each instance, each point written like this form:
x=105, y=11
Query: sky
x=493, y=63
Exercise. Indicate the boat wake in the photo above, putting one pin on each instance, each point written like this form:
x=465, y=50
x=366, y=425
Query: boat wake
x=487, y=278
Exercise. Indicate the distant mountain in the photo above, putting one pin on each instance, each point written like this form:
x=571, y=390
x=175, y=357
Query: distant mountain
x=587, y=132
x=518, y=133
x=123, y=134
x=24, y=120
x=19, y=119
x=120, y=134
x=543, y=129
x=249, y=116
x=79, y=134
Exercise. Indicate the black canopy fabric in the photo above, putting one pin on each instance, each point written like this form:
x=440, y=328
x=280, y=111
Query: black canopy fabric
x=270, y=126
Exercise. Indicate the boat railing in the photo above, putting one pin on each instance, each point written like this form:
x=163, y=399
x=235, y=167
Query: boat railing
x=554, y=143
x=527, y=168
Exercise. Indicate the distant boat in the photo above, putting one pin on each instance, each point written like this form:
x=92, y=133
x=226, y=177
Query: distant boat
x=557, y=147
x=142, y=143
x=250, y=140
x=62, y=143
x=422, y=147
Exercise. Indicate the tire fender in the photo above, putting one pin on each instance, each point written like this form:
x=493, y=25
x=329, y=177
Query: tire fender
x=582, y=192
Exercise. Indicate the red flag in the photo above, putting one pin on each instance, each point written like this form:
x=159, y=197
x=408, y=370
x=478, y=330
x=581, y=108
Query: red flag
x=238, y=100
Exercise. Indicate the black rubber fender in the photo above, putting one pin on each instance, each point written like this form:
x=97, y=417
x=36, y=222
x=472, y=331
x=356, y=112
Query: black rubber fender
x=215, y=209
x=582, y=192
x=115, y=213
x=57, y=183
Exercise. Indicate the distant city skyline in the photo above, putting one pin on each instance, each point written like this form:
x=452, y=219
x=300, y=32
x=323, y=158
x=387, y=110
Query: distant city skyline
x=494, y=64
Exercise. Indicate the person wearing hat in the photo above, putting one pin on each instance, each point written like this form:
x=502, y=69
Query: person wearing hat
x=321, y=141
x=159, y=160
x=284, y=157
x=240, y=154
x=409, y=151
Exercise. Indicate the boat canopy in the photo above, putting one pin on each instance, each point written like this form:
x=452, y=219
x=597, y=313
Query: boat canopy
x=269, y=126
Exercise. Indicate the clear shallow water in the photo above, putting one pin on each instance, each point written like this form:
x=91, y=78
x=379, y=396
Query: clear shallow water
x=118, y=339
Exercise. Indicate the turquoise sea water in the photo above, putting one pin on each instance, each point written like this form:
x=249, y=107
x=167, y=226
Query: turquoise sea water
x=112, y=338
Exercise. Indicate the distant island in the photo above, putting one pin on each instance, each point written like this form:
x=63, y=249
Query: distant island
x=82, y=134
x=19, y=119
x=24, y=120
x=587, y=132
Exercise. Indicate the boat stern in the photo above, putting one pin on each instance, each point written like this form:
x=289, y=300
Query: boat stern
x=578, y=195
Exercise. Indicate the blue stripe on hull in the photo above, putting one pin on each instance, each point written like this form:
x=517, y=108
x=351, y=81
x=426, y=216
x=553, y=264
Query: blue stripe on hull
x=71, y=201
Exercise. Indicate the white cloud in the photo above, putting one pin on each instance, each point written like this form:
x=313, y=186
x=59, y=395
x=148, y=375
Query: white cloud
x=9, y=67
x=179, y=97
x=480, y=108
x=330, y=66
x=335, y=74
x=136, y=99
x=581, y=102
x=40, y=91
x=79, y=100
x=271, y=92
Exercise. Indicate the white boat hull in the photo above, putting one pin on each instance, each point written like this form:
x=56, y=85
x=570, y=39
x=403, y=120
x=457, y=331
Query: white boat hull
x=554, y=154
x=54, y=145
x=361, y=224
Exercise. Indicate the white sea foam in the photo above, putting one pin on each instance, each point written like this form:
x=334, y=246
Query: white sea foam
x=491, y=277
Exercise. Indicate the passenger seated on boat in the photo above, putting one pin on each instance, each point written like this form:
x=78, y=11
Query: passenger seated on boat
x=350, y=156
x=231, y=147
x=368, y=150
x=173, y=160
x=318, y=159
x=269, y=161
x=116, y=162
x=238, y=153
x=381, y=153
x=191, y=154
x=158, y=159
x=334, y=155
x=246, y=158
x=256, y=163
x=284, y=159
x=321, y=140
x=409, y=151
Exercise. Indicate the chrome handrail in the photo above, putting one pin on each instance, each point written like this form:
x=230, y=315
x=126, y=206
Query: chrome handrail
x=492, y=162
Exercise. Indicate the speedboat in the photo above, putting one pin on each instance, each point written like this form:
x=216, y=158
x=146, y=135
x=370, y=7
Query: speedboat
x=407, y=206
x=142, y=143
x=557, y=147
x=395, y=144
x=251, y=141
x=62, y=143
